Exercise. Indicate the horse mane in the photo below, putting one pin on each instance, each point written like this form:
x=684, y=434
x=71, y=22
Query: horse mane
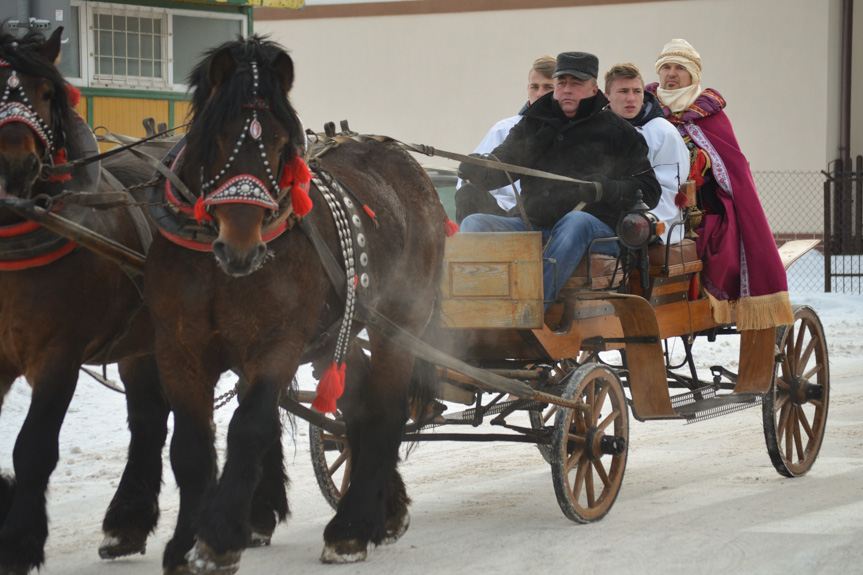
x=25, y=56
x=213, y=106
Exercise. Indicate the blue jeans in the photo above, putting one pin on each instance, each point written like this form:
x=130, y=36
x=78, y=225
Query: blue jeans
x=566, y=243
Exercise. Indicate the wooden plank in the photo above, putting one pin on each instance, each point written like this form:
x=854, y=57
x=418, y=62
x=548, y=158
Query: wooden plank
x=492, y=280
x=648, y=381
x=757, y=356
x=791, y=251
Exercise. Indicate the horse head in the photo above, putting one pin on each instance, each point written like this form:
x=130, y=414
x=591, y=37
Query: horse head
x=244, y=135
x=34, y=109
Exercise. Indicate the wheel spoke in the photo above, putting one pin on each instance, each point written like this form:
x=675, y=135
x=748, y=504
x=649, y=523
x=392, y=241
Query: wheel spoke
x=790, y=356
x=782, y=421
x=609, y=420
x=798, y=441
x=337, y=463
x=807, y=353
x=589, y=488
x=798, y=346
x=599, y=401
x=789, y=432
x=590, y=399
x=346, y=480
x=603, y=474
x=816, y=369
x=578, y=484
x=782, y=384
x=575, y=458
x=804, y=422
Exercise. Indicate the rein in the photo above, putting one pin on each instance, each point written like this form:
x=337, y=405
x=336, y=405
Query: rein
x=68, y=167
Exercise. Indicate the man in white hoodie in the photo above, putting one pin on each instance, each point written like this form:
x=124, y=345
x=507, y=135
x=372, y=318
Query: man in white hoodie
x=668, y=154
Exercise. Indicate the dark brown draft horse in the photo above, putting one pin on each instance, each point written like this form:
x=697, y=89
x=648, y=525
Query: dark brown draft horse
x=62, y=306
x=255, y=307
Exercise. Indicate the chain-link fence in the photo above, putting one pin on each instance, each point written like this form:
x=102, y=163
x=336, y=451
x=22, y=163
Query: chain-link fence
x=794, y=205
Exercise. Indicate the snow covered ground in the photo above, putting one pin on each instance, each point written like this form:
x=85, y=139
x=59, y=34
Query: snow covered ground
x=696, y=498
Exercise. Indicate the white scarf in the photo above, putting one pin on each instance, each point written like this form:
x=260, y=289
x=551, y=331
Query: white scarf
x=680, y=99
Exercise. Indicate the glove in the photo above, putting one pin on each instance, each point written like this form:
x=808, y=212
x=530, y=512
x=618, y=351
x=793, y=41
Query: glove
x=609, y=189
x=472, y=172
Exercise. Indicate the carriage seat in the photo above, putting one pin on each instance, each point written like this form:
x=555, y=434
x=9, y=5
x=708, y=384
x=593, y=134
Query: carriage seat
x=682, y=259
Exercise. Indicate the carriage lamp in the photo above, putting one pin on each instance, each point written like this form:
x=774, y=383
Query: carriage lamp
x=639, y=227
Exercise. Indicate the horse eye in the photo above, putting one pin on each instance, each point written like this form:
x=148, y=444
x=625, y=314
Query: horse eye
x=48, y=96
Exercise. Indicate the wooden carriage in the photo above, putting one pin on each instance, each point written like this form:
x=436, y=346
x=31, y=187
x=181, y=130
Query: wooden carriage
x=576, y=398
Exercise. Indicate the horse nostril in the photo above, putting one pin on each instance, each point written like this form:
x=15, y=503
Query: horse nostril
x=261, y=252
x=220, y=249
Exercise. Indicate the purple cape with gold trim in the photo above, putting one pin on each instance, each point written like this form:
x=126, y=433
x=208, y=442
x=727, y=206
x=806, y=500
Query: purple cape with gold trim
x=741, y=261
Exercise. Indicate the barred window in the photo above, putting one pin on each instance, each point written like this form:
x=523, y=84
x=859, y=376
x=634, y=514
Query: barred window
x=134, y=47
x=129, y=46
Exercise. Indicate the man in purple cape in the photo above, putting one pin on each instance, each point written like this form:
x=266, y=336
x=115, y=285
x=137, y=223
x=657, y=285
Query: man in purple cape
x=742, y=269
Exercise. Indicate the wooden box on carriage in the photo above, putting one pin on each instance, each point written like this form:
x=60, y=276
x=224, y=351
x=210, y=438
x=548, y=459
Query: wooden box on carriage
x=492, y=280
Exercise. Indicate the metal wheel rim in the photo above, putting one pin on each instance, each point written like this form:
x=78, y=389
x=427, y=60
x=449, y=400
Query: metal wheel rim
x=331, y=461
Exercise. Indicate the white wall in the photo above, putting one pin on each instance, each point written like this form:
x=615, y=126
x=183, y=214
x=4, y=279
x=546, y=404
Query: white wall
x=444, y=79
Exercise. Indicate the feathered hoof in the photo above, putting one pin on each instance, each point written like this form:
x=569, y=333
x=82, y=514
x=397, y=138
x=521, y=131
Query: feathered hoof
x=202, y=560
x=348, y=551
x=114, y=546
x=260, y=539
x=396, y=527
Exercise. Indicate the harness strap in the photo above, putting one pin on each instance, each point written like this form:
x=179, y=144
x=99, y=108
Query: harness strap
x=135, y=212
x=158, y=165
x=68, y=167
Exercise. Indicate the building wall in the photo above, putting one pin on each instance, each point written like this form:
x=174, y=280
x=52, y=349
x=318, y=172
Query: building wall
x=443, y=79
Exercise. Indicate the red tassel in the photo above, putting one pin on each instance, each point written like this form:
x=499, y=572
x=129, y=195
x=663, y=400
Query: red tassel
x=300, y=199
x=330, y=388
x=680, y=200
x=296, y=175
x=59, y=158
x=450, y=227
x=370, y=213
x=693, y=288
x=73, y=95
x=201, y=214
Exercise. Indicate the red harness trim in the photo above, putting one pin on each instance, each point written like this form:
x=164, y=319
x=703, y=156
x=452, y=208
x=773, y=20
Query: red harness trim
x=15, y=230
x=35, y=262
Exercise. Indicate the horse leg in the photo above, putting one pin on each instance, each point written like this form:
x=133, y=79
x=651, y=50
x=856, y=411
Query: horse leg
x=270, y=500
x=225, y=528
x=134, y=510
x=193, y=455
x=25, y=529
x=374, y=508
x=7, y=484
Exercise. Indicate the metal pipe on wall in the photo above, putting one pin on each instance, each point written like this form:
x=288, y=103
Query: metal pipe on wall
x=845, y=86
x=23, y=17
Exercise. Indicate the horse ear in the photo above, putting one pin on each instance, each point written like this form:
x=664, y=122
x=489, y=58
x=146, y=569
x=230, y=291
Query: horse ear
x=51, y=48
x=222, y=67
x=284, y=67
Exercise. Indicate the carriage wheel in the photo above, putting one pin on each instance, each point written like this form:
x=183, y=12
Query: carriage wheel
x=589, y=446
x=540, y=418
x=795, y=407
x=331, y=460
